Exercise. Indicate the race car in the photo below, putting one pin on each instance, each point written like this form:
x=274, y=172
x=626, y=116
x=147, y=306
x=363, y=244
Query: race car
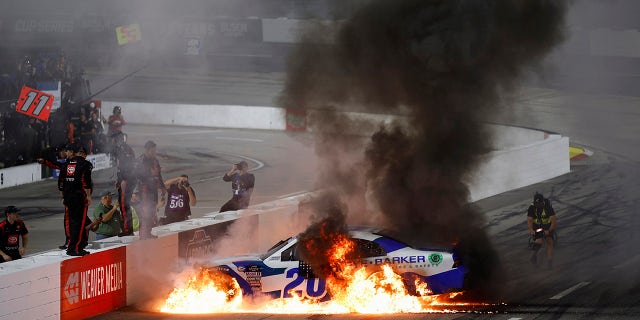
x=280, y=271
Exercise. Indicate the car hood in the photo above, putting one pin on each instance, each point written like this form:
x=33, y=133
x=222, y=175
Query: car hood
x=236, y=259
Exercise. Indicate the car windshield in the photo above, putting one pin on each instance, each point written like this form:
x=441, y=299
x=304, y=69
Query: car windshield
x=275, y=248
x=414, y=243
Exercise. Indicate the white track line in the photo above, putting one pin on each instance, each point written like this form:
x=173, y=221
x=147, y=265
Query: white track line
x=239, y=139
x=627, y=263
x=173, y=133
x=566, y=292
x=292, y=194
x=258, y=162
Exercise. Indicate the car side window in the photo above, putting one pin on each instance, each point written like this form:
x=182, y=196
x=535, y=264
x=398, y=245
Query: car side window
x=290, y=254
x=369, y=248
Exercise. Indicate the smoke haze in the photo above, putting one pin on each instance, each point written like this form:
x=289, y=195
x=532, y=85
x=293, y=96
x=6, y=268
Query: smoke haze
x=444, y=65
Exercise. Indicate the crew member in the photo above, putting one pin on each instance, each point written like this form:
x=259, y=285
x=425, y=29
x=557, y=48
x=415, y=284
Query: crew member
x=11, y=230
x=126, y=181
x=150, y=181
x=76, y=186
x=64, y=154
x=241, y=185
x=541, y=215
x=116, y=121
x=180, y=198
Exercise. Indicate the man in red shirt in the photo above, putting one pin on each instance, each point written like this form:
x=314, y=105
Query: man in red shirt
x=116, y=121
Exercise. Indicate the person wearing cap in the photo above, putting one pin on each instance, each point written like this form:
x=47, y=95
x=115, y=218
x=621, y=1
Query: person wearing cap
x=108, y=216
x=125, y=182
x=180, y=198
x=76, y=186
x=116, y=121
x=65, y=153
x=150, y=182
x=56, y=159
x=541, y=215
x=242, y=183
x=11, y=230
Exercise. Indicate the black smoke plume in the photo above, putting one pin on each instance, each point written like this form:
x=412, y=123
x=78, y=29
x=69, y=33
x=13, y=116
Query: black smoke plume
x=442, y=64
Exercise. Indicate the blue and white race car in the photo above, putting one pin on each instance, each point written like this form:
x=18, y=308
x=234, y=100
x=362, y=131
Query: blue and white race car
x=280, y=271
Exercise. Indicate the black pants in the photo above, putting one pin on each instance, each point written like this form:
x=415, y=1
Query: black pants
x=235, y=203
x=77, y=207
x=171, y=217
x=124, y=201
x=148, y=215
x=15, y=255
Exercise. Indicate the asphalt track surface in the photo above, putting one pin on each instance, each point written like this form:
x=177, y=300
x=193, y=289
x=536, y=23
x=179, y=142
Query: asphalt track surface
x=596, y=274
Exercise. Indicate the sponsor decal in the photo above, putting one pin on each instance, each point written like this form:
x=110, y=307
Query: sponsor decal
x=34, y=103
x=193, y=46
x=12, y=240
x=93, y=284
x=253, y=274
x=435, y=258
x=400, y=260
x=43, y=26
x=296, y=119
x=99, y=161
x=71, y=169
x=128, y=34
x=200, y=246
x=201, y=242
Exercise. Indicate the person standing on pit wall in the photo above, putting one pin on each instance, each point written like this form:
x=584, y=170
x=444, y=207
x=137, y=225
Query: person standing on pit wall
x=108, y=216
x=76, y=186
x=126, y=181
x=180, y=198
x=11, y=230
x=241, y=185
x=150, y=181
x=541, y=215
x=65, y=154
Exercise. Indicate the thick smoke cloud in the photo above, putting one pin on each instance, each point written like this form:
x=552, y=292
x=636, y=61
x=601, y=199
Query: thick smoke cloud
x=442, y=64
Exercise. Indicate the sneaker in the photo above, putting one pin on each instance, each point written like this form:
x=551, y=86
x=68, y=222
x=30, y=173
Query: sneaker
x=78, y=254
x=125, y=234
x=63, y=247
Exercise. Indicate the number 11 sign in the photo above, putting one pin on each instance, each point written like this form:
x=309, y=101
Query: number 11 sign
x=34, y=103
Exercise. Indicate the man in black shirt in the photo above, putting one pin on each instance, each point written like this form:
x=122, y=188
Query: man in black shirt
x=76, y=186
x=180, y=198
x=125, y=164
x=241, y=185
x=11, y=230
x=150, y=181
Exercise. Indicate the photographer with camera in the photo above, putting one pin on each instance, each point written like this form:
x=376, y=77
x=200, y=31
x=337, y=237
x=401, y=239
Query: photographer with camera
x=541, y=221
x=179, y=201
x=242, y=186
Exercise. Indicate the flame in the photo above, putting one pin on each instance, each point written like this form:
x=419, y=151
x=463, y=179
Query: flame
x=206, y=291
x=353, y=288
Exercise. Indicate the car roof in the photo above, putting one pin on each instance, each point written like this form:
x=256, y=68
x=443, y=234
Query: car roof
x=372, y=233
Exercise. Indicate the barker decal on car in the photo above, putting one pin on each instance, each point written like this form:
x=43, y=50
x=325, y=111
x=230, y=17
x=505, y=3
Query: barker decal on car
x=435, y=258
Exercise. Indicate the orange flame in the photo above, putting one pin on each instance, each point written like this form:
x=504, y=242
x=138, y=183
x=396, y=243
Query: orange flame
x=205, y=292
